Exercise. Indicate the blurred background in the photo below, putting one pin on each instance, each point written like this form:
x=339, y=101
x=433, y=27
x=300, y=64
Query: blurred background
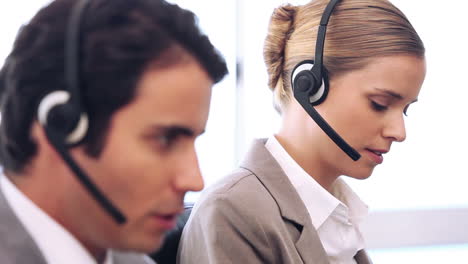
x=418, y=198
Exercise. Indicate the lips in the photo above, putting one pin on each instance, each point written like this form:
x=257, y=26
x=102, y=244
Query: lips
x=166, y=221
x=166, y=218
x=376, y=154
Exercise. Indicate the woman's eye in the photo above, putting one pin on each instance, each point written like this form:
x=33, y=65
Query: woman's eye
x=378, y=107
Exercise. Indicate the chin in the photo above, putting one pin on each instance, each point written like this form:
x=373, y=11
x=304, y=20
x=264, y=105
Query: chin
x=360, y=173
x=359, y=177
x=153, y=245
x=144, y=245
x=158, y=245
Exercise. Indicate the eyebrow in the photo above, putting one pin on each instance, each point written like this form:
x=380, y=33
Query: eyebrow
x=178, y=130
x=394, y=94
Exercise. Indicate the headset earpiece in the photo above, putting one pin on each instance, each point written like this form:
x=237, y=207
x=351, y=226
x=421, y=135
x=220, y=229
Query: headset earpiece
x=309, y=81
x=305, y=81
x=55, y=112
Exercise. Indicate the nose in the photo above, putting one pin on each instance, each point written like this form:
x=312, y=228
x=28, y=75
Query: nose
x=188, y=177
x=395, y=129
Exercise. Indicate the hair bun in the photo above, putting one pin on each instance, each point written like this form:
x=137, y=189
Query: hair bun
x=279, y=30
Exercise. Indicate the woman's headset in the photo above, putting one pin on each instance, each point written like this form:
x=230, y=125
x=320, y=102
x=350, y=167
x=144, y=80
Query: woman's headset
x=310, y=84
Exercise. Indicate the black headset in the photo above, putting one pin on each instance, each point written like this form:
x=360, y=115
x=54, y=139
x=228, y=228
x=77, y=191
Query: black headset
x=310, y=84
x=63, y=116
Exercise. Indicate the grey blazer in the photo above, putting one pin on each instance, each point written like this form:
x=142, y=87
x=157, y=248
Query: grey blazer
x=18, y=247
x=253, y=216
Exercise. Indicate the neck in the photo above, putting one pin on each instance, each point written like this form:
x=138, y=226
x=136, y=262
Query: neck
x=308, y=160
x=68, y=221
x=37, y=189
x=296, y=137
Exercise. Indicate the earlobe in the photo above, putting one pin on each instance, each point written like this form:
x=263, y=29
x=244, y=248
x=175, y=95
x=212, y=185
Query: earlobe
x=39, y=137
x=37, y=132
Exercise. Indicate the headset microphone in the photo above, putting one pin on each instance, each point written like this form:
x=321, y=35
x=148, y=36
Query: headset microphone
x=310, y=85
x=56, y=141
x=62, y=115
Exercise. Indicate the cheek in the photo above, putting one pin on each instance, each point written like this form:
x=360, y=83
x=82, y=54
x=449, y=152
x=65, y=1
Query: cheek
x=345, y=113
x=353, y=120
x=132, y=175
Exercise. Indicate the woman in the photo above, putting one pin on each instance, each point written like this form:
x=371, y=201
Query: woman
x=287, y=203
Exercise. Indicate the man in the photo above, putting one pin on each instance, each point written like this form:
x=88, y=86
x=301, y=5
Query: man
x=101, y=102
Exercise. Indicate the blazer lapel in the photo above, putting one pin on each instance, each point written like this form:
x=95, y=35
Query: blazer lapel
x=14, y=239
x=264, y=166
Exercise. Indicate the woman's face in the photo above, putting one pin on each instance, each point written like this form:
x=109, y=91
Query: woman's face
x=367, y=107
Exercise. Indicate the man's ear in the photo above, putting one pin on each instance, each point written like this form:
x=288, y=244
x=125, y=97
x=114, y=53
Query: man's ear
x=39, y=137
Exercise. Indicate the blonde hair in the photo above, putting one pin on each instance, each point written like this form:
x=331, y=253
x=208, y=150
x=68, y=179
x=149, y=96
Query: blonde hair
x=358, y=31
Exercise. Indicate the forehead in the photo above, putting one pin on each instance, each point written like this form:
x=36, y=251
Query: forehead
x=178, y=94
x=404, y=71
x=401, y=74
x=407, y=64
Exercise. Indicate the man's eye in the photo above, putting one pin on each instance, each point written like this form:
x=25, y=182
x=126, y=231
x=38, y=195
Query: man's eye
x=167, y=140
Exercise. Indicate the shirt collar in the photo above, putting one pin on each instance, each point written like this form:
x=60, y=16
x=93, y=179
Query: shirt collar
x=319, y=202
x=45, y=231
x=358, y=210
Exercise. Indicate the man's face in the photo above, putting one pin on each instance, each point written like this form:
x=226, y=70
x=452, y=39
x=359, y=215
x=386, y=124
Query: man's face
x=148, y=162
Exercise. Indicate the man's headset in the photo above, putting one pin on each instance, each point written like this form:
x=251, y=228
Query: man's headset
x=62, y=115
x=310, y=84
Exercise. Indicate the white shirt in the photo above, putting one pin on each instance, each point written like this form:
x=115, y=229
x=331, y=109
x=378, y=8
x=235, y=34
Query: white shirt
x=336, y=216
x=57, y=245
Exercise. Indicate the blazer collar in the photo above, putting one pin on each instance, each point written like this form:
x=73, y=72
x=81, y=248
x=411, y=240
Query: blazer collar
x=261, y=163
x=16, y=241
x=268, y=171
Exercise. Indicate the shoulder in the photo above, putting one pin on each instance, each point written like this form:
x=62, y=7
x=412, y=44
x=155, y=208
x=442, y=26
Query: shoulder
x=240, y=200
x=236, y=219
x=229, y=222
x=16, y=244
x=239, y=190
